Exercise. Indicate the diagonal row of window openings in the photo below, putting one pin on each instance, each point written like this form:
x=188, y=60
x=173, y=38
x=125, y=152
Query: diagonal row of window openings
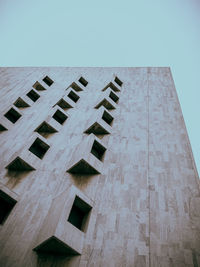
x=48, y=80
x=39, y=148
x=118, y=81
x=113, y=96
x=98, y=150
x=79, y=214
x=2, y=128
x=73, y=96
x=12, y=115
x=83, y=81
x=7, y=203
x=20, y=103
x=37, y=86
x=59, y=116
x=107, y=118
x=33, y=95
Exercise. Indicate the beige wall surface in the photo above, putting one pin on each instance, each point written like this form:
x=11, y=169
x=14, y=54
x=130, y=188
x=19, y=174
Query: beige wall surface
x=144, y=192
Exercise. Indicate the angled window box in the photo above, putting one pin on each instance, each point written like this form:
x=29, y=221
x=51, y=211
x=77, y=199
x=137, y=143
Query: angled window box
x=21, y=103
x=87, y=157
x=64, y=103
x=64, y=228
x=106, y=102
x=37, y=86
x=101, y=123
x=45, y=129
x=29, y=157
x=115, y=84
x=83, y=81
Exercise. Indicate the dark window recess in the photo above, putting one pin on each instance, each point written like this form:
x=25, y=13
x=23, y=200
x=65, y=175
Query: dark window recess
x=59, y=117
x=114, y=97
x=48, y=81
x=76, y=87
x=6, y=205
x=83, y=81
x=117, y=80
x=12, y=115
x=33, y=95
x=38, y=87
x=98, y=150
x=79, y=214
x=39, y=148
x=63, y=104
x=107, y=118
x=20, y=103
x=73, y=96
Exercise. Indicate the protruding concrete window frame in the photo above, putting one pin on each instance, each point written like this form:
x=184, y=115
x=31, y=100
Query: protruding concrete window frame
x=86, y=158
x=37, y=86
x=62, y=237
x=21, y=103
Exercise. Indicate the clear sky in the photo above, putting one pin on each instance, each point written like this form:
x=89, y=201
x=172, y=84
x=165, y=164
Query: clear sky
x=109, y=33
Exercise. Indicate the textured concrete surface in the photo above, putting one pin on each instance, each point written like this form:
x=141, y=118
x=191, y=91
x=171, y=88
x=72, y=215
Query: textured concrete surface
x=145, y=200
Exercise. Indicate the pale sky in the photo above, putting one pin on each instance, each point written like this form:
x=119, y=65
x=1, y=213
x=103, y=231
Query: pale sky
x=134, y=33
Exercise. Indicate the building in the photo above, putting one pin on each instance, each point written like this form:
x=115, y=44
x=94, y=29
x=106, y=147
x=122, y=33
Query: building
x=96, y=169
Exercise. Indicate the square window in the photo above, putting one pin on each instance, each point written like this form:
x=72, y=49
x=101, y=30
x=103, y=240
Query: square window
x=79, y=214
x=48, y=81
x=114, y=97
x=6, y=205
x=83, y=81
x=38, y=87
x=12, y=115
x=33, y=95
x=73, y=96
x=59, y=117
x=98, y=150
x=107, y=117
x=39, y=148
x=117, y=80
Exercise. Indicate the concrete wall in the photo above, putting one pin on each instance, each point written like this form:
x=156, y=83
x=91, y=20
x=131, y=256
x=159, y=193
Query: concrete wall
x=145, y=201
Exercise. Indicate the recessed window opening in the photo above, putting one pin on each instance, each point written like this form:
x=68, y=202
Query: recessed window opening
x=33, y=95
x=48, y=81
x=114, y=97
x=117, y=80
x=38, y=87
x=107, y=118
x=59, y=117
x=98, y=150
x=73, y=96
x=6, y=205
x=39, y=148
x=20, y=103
x=12, y=115
x=83, y=81
x=79, y=214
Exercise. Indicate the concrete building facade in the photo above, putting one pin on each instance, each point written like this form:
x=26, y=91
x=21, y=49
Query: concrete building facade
x=96, y=169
